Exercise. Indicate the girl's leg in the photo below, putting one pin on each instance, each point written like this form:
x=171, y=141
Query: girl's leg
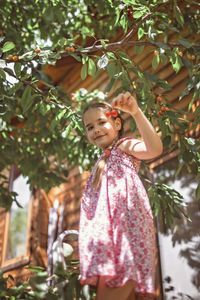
x=119, y=293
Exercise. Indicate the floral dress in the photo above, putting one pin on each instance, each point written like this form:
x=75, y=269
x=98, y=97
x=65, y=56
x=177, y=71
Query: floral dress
x=116, y=232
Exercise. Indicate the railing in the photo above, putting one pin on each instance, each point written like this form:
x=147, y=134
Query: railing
x=61, y=249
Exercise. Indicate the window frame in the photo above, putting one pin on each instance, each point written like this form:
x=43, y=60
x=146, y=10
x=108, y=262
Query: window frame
x=19, y=261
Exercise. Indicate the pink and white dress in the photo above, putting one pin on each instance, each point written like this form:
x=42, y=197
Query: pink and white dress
x=117, y=233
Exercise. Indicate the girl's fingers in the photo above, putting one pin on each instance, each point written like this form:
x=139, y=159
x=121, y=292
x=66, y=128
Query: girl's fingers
x=114, y=103
x=123, y=100
x=120, y=98
x=127, y=95
x=117, y=102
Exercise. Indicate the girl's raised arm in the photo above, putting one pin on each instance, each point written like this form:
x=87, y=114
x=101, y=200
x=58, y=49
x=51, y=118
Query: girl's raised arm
x=151, y=146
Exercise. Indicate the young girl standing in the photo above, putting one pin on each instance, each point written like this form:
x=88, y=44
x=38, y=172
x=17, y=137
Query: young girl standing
x=116, y=234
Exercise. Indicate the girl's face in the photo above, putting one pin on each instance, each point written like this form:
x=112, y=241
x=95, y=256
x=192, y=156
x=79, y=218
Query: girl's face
x=101, y=130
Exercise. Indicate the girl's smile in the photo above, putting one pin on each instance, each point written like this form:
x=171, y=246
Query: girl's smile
x=101, y=130
x=100, y=136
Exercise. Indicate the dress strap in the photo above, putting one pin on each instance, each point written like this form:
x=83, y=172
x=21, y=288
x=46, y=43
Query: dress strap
x=122, y=140
x=135, y=161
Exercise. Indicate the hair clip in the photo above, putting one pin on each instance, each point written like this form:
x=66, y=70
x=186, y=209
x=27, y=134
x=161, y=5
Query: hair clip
x=113, y=113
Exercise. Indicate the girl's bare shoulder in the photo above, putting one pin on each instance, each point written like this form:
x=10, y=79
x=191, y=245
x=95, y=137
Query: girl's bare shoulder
x=127, y=145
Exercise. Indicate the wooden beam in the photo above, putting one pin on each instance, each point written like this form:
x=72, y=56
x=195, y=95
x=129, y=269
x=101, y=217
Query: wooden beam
x=15, y=263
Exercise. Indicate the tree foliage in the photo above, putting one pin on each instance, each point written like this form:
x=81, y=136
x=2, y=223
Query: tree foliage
x=65, y=285
x=41, y=126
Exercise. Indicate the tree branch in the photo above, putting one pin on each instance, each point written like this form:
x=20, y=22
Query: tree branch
x=134, y=28
x=121, y=43
x=25, y=82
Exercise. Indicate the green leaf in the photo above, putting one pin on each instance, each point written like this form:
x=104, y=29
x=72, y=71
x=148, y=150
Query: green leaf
x=190, y=141
x=91, y=67
x=172, y=114
x=62, y=42
x=43, y=109
x=163, y=84
x=2, y=63
x=179, y=169
x=17, y=68
x=84, y=58
x=8, y=46
x=109, y=85
x=84, y=71
x=49, y=14
x=138, y=14
x=102, y=62
x=75, y=56
x=68, y=129
x=139, y=49
x=151, y=77
x=179, y=16
x=65, y=4
x=164, y=129
x=28, y=55
x=54, y=122
x=197, y=111
x=29, y=103
x=140, y=33
x=163, y=58
x=197, y=193
x=187, y=156
x=2, y=38
x=2, y=74
x=176, y=63
x=124, y=57
x=167, y=141
x=110, y=55
x=25, y=97
x=124, y=23
x=113, y=69
x=190, y=104
x=61, y=115
x=116, y=18
x=15, y=88
x=185, y=43
x=36, y=269
x=155, y=61
x=103, y=43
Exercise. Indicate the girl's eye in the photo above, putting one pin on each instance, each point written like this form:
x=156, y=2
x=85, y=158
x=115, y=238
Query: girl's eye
x=102, y=122
x=89, y=128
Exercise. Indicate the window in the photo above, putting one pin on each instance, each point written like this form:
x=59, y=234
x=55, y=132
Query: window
x=180, y=248
x=17, y=224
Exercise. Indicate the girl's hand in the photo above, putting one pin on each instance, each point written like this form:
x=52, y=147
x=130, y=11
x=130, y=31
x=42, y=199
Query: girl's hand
x=126, y=102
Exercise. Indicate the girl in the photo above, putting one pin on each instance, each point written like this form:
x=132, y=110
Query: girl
x=116, y=236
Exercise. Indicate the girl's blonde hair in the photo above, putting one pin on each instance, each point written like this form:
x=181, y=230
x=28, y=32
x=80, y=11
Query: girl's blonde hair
x=102, y=162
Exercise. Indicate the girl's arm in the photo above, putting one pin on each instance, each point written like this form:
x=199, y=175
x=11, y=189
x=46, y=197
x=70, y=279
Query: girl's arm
x=151, y=146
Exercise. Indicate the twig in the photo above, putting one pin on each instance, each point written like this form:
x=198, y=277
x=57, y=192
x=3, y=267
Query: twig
x=25, y=82
x=134, y=28
x=119, y=44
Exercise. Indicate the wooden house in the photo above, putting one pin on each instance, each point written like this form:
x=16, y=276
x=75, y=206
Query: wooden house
x=178, y=267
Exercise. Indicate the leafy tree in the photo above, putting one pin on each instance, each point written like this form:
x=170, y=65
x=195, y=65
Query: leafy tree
x=41, y=125
x=65, y=285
